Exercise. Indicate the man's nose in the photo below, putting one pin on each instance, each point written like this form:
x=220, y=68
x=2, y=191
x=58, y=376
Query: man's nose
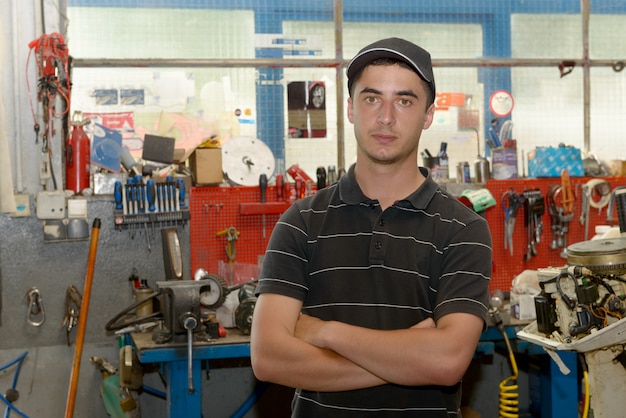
x=386, y=114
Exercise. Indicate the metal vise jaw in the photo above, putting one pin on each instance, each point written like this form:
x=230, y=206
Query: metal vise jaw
x=180, y=306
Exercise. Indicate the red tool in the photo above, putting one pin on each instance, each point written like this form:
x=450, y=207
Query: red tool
x=280, y=184
x=296, y=172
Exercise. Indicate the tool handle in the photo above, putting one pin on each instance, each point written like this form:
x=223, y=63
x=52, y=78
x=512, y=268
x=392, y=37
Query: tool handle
x=118, y=195
x=280, y=184
x=263, y=187
x=151, y=195
x=181, y=192
x=321, y=178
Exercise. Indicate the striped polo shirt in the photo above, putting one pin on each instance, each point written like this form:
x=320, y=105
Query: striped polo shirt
x=427, y=255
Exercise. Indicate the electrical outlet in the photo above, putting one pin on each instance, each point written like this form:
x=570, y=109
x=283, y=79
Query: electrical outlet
x=51, y=205
x=22, y=206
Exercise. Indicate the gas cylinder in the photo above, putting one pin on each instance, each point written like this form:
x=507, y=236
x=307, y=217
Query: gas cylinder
x=78, y=157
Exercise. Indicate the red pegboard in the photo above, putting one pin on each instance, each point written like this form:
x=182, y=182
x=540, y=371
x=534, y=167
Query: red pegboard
x=507, y=266
x=214, y=209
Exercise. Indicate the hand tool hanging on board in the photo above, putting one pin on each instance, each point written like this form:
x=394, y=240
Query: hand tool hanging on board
x=73, y=302
x=511, y=202
x=263, y=197
x=567, y=204
x=534, y=208
x=82, y=322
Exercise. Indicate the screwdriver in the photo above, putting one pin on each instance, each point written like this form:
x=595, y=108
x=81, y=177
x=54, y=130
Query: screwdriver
x=119, y=204
x=321, y=178
x=263, y=189
x=280, y=180
x=151, y=195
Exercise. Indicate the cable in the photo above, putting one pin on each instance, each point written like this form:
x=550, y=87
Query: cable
x=600, y=186
x=509, y=396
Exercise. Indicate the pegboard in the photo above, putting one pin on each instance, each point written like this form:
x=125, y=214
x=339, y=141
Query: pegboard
x=507, y=266
x=214, y=209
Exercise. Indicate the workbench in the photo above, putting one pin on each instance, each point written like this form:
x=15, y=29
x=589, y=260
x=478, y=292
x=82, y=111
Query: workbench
x=172, y=357
x=558, y=392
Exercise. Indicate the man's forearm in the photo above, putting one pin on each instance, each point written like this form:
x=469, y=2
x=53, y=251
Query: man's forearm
x=304, y=366
x=411, y=357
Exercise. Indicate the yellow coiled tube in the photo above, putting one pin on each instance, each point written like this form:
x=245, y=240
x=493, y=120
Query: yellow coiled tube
x=509, y=397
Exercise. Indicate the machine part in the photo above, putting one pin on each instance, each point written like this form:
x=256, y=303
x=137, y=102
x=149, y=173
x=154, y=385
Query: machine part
x=35, y=314
x=244, y=159
x=82, y=323
x=172, y=257
x=130, y=371
x=190, y=323
x=601, y=256
x=145, y=308
x=214, y=293
x=245, y=309
x=181, y=299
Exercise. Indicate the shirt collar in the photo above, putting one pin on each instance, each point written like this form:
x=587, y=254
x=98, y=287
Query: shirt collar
x=351, y=194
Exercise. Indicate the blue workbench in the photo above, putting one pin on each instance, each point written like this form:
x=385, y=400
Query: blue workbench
x=172, y=358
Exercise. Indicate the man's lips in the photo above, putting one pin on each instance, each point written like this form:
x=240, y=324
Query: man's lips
x=384, y=136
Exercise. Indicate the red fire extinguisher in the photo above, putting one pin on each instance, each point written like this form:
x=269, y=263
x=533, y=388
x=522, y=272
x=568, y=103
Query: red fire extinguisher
x=78, y=148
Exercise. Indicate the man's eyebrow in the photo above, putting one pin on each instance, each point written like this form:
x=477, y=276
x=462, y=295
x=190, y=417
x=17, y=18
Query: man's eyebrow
x=370, y=90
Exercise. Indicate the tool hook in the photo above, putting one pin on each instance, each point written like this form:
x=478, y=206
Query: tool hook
x=35, y=314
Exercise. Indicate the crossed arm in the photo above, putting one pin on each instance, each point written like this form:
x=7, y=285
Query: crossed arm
x=305, y=352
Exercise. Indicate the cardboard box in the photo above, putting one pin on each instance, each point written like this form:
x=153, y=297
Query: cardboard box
x=618, y=168
x=550, y=161
x=206, y=165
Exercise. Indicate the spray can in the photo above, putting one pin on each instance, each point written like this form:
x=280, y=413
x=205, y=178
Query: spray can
x=78, y=156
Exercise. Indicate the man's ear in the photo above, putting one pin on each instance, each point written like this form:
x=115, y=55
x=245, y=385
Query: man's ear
x=350, y=109
x=430, y=116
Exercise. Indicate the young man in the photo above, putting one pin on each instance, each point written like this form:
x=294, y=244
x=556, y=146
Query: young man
x=374, y=291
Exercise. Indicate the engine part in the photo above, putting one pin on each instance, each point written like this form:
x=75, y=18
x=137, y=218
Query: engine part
x=602, y=256
x=243, y=313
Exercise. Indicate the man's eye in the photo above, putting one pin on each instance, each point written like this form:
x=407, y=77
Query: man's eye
x=371, y=99
x=405, y=102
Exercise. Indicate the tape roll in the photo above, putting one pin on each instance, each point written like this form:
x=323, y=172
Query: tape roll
x=604, y=200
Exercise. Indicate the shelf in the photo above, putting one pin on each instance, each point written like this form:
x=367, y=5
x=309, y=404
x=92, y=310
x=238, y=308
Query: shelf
x=267, y=208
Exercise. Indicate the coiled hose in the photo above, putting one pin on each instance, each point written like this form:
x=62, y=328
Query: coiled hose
x=509, y=396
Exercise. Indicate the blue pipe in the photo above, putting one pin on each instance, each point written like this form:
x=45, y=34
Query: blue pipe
x=10, y=407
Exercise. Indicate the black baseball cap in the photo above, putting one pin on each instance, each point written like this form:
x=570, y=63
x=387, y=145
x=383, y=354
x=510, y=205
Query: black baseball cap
x=395, y=48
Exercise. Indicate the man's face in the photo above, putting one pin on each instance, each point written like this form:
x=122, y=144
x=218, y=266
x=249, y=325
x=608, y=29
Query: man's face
x=389, y=111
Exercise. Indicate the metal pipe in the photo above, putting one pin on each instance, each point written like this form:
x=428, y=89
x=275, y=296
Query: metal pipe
x=82, y=320
x=341, y=146
x=324, y=63
x=584, y=5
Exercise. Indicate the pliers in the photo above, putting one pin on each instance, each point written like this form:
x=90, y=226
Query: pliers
x=511, y=202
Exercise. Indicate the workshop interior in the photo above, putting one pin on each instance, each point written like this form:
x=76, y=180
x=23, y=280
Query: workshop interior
x=148, y=148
